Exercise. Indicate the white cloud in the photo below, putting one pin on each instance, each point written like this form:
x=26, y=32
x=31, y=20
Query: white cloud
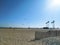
x=52, y=4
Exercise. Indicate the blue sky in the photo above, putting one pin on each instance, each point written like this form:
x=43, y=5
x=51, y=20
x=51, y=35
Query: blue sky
x=29, y=13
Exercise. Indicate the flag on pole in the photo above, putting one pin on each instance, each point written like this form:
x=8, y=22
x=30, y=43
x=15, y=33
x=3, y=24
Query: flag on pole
x=53, y=24
x=53, y=21
x=47, y=22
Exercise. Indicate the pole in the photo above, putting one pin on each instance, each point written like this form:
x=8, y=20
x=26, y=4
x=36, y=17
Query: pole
x=47, y=24
x=53, y=24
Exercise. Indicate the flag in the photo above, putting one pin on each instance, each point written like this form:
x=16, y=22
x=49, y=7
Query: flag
x=53, y=21
x=47, y=22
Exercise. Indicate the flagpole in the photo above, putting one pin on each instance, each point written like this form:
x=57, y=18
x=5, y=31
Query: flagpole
x=47, y=24
x=53, y=24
